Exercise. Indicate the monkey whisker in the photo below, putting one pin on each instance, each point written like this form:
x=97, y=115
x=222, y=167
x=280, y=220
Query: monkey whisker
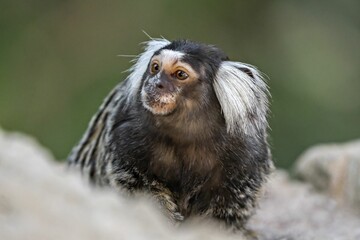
x=127, y=55
x=148, y=35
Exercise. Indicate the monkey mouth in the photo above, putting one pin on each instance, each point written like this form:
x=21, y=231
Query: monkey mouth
x=157, y=103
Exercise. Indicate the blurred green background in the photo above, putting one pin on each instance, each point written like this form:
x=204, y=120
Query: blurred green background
x=58, y=60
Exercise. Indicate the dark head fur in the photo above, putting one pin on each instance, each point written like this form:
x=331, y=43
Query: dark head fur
x=238, y=88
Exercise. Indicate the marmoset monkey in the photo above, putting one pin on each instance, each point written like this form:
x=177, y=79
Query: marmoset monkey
x=187, y=126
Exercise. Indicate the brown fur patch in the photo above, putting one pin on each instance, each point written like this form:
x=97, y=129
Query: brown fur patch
x=157, y=107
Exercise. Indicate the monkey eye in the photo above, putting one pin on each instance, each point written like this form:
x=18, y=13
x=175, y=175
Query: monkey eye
x=155, y=68
x=181, y=75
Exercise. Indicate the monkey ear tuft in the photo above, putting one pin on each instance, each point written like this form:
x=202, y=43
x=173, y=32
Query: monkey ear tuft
x=243, y=97
x=247, y=70
x=141, y=64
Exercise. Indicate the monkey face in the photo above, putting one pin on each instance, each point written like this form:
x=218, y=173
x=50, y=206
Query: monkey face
x=166, y=79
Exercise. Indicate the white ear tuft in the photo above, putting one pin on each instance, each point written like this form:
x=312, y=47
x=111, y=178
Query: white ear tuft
x=243, y=97
x=141, y=64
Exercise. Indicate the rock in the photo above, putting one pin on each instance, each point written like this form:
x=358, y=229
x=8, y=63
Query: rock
x=292, y=210
x=334, y=169
x=39, y=199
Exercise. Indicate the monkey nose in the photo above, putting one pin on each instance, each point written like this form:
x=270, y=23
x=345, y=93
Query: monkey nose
x=159, y=85
x=163, y=85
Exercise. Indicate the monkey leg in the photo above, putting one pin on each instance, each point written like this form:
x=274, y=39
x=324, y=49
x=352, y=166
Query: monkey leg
x=234, y=206
x=165, y=197
x=131, y=181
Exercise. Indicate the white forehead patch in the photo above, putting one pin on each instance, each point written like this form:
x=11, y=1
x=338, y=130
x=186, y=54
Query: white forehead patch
x=169, y=59
x=168, y=56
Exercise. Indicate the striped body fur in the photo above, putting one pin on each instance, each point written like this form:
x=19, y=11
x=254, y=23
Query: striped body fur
x=187, y=126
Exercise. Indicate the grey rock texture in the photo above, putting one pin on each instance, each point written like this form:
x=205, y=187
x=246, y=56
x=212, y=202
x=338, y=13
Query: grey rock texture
x=39, y=199
x=334, y=169
x=293, y=210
